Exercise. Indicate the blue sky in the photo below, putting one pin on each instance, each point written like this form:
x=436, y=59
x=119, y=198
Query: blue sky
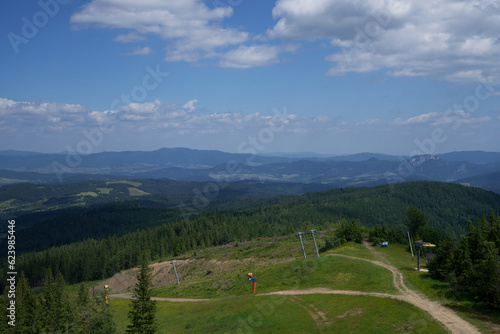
x=336, y=77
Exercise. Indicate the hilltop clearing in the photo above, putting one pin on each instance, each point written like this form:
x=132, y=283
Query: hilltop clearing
x=321, y=315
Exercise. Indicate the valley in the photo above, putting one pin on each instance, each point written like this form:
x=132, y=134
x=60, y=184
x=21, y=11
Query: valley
x=96, y=226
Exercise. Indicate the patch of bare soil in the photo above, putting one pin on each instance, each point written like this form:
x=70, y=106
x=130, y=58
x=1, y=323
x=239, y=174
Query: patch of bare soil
x=188, y=270
x=371, y=248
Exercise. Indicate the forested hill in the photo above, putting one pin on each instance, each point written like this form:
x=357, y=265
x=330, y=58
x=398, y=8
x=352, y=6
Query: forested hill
x=22, y=198
x=446, y=206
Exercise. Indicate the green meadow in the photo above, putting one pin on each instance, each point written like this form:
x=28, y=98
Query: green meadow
x=287, y=314
x=234, y=309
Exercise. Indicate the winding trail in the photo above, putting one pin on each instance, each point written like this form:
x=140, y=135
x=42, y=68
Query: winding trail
x=446, y=316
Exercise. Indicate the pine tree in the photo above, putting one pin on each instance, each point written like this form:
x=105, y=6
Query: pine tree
x=84, y=309
x=143, y=309
x=57, y=307
x=4, y=303
x=415, y=219
x=26, y=310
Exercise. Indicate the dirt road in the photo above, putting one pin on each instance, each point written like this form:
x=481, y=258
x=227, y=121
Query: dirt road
x=442, y=314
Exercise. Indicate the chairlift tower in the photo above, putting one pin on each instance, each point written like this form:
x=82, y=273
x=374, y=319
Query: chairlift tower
x=311, y=232
x=418, y=245
x=175, y=271
x=314, y=240
x=301, y=243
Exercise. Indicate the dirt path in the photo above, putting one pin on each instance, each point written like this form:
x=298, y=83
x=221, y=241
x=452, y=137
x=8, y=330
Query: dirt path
x=447, y=317
x=442, y=314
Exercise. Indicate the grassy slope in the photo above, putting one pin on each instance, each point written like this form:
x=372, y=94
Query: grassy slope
x=278, y=265
x=486, y=319
x=239, y=310
x=279, y=314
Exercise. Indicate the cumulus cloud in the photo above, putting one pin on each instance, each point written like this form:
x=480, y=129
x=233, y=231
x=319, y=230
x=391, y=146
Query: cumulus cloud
x=190, y=106
x=138, y=124
x=454, y=40
x=193, y=30
x=35, y=114
x=254, y=55
x=156, y=116
x=442, y=118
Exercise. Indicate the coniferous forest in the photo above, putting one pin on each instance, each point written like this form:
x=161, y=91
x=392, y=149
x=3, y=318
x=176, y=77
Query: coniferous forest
x=101, y=241
x=95, y=243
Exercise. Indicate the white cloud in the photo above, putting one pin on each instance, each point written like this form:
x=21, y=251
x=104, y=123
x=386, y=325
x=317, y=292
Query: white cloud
x=37, y=114
x=140, y=51
x=424, y=118
x=140, y=124
x=190, y=106
x=252, y=56
x=154, y=116
x=476, y=120
x=454, y=40
x=192, y=30
x=442, y=118
x=131, y=37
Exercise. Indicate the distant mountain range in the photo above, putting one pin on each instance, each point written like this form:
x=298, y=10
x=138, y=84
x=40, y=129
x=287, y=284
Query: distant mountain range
x=474, y=168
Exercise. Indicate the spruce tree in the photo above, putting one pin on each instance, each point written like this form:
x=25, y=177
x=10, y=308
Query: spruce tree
x=415, y=219
x=4, y=303
x=26, y=309
x=143, y=310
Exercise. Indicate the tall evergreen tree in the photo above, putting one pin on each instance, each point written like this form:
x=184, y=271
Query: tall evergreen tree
x=415, y=219
x=473, y=265
x=143, y=310
x=58, y=308
x=26, y=309
x=4, y=303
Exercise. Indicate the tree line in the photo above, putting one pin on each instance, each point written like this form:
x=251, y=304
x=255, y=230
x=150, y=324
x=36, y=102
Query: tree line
x=381, y=208
x=97, y=259
x=446, y=206
x=472, y=265
x=53, y=309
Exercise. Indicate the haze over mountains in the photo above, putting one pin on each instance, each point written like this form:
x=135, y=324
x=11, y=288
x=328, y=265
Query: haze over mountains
x=475, y=168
